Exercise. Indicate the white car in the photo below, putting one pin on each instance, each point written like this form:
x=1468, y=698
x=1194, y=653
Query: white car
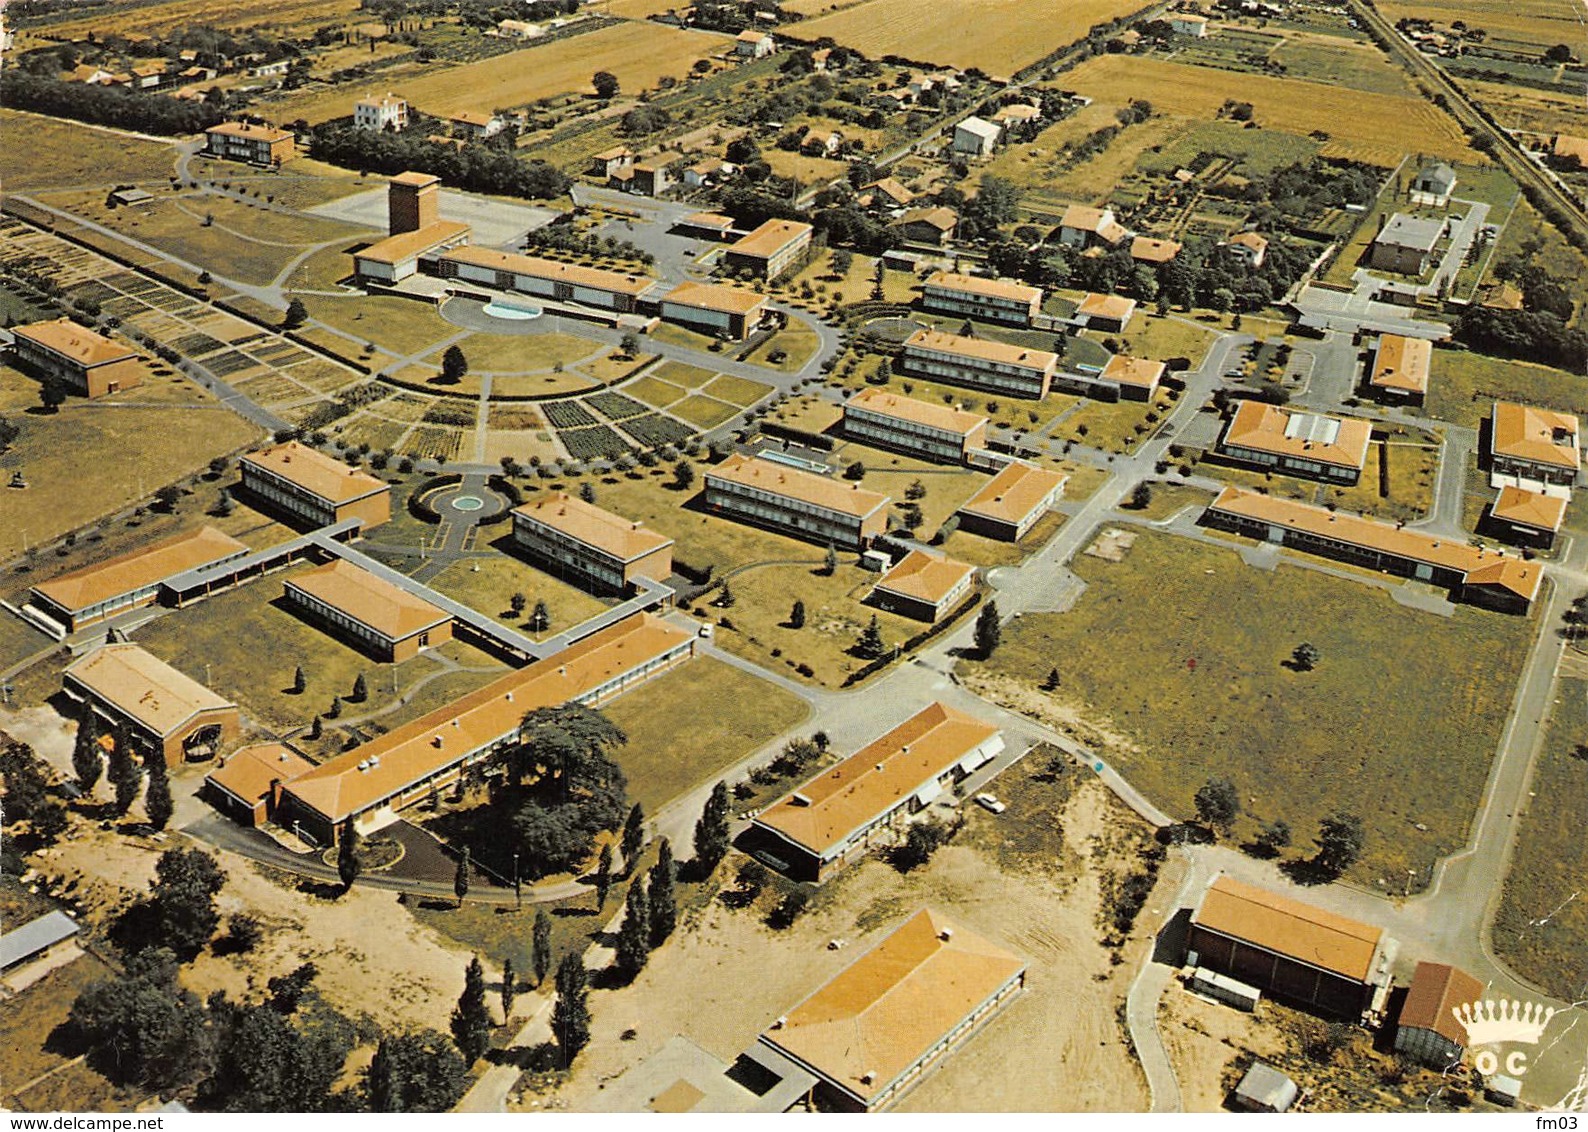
x=990, y=802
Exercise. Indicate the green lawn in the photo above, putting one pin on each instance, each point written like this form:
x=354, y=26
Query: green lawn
x=654, y=392
x=1170, y=336
x=489, y=583
x=65, y=153
x=703, y=412
x=132, y=452
x=526, y=353
x=1258, y=152
x=1464, y=385
x=246, y=642
x=689, y=725
x=399, y=326
x=680, y=373
x=797, y=340
x=1541, y=928
x=1398, y=722
x=739, y=390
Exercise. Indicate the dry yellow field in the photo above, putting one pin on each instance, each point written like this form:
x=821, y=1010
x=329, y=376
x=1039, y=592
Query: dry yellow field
x=637, y=9
x=637, y=53
x=1377, y=128
x=1523, y=108
x=1543, y=22
x=158, y=19
x=999, y=36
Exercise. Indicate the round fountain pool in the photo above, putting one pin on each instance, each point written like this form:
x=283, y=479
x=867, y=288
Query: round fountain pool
x=511, y=312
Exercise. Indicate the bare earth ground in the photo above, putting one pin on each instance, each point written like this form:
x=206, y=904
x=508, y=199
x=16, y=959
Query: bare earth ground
x=1056, y=1047
x=373, y=957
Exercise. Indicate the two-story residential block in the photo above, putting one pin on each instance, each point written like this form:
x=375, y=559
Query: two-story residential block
x=1399, y=373
x=979, y=363
x=381, y=617
x=753, y=44
x=313, y=487
x=976, y=137
x=795, y=502
x=576, y=539
x=1312, y=445
x=1406, y=244
x=388, y=112
x=246, y=141
x=652, y=176
x=1083, y=227
x=1529, y=443
x=992, y=300
x=1248, y=247
x=771, y=250
x=885, y=419
x=87, y=362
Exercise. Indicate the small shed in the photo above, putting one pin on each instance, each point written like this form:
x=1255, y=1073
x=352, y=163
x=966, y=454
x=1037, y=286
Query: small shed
x=1265, y=1089
x=1503, y=1089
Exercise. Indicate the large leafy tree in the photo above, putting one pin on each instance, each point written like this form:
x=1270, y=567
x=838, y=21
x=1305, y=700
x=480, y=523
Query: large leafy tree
x=142, y=1027
x=576, y=788
x=183, y=899
x=268, y=1062
x=415, y=1072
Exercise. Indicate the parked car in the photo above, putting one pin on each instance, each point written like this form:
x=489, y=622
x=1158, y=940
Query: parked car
x=991, y=803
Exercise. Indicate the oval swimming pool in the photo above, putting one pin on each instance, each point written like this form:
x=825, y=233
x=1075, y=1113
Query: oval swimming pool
x=498, y=308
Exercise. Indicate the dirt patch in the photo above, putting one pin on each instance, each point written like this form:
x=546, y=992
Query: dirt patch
x=1058, y=1046
x=1111, y=545
x=1031, y=703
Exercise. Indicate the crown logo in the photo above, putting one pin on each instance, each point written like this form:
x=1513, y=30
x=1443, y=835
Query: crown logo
x=1492, y=1021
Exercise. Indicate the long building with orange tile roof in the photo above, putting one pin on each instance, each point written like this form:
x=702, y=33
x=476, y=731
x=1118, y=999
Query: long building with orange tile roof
x=1313, y=445
x=162, y=712
x=921, y=428
x=618, y=291
x=89, y=362
x=592, y=545
x=1483, y=577
x=979, y=363
x=971, y=296
x=1533, y=443
x=794, y=502
x=923, y=585
x=1293, y=950
x=250, y=142
x=309, y=485
x=843, y=811
x=872, y=1032
x=128, y=581
x=370, y=783
x=1009, y=504
x=381, y=617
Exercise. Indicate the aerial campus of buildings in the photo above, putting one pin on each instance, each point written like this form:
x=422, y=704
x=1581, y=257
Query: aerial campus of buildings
x=792, y=555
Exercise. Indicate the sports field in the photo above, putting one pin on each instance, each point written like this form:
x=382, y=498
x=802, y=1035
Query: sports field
x=1360, y=125
x=637, y=53
x=998, y=36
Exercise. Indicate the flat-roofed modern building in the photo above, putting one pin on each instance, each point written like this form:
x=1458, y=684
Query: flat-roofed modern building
x=1483, y=577
x=247, y=784
x=1400, y=369
x=795, y=502
x=372, y=782
x=923, y=585
x=1428, y=1028
x=1108, y=313
x=246, y=141
x=381, y=617
x=979, y=363
x=307, y=484
x=1533, y=444
x=600, y=549
x=1292, y=950
x=921, y=428
x=842, y=812
x=771, y=250
x=1406, y=244
x=993, y=300
x=1009, y=504
x=88, y=362
x=882, y=1023
x=128, y=581
x=1137, y=378
x=1526, y=517
x=545, y=278
x=163, y=713
x=714, y=310
x=1313, y=445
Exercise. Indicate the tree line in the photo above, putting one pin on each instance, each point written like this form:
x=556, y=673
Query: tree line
x=478, y=168
x=108, y=106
